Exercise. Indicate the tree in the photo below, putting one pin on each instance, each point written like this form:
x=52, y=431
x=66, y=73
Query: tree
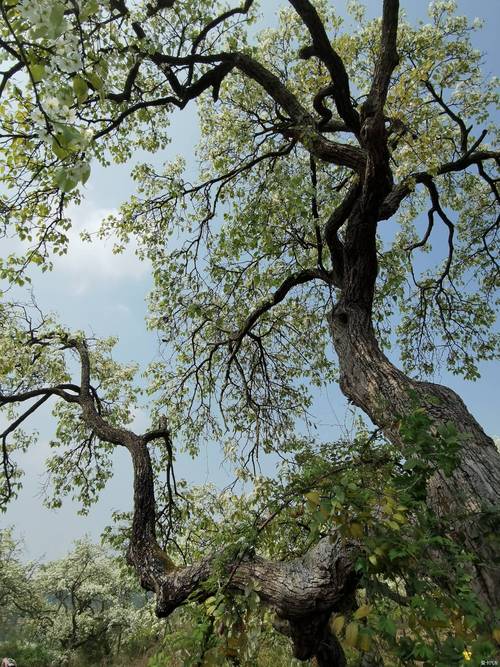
x=94, y=603
x=318, y=157
x=85, y=605
x=17, y=601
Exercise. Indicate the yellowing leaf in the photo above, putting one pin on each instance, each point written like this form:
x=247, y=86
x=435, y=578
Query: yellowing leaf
x=496, y=635
x=313, y=497
x=356, y=530
x=336, y=624
x=235, y=642
x=363, y=611
x=365, y=642
x=434, y=623
x=373, y=559
x=351, y=634
x=211, y=604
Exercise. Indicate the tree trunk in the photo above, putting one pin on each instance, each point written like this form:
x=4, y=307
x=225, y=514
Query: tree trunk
x=311, y=638
x=373, y=383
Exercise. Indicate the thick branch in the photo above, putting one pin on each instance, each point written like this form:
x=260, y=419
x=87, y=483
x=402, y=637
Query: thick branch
x=317, y=582
x=323, y=49
x=470, y=158
x=312, y=584
x=387, y=57
x=304, y=128
x=210, y=79
x=59, y=390
x=391, y=203
x=125, y=95
x=320, y=106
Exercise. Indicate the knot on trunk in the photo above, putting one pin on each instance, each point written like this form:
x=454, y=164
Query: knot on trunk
x=338, y=316
x=342, y=317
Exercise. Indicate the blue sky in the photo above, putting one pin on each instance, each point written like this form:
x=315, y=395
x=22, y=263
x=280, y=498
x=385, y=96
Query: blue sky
x=104, y=294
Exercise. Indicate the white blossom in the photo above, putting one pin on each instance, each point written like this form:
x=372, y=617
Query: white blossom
x=51, y=105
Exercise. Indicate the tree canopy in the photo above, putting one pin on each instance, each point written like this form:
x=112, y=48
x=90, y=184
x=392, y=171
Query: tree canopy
x=346, y=194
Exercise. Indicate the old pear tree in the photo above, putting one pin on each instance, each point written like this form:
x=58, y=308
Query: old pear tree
x=346, y=203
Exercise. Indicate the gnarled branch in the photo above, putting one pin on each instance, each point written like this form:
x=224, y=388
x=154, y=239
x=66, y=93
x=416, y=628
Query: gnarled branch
x=323, y=49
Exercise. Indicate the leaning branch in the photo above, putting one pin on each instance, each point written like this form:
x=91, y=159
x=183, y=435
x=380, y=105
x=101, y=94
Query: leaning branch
x=302, y=126
x=331, y=230
x=436, y=206
x=391, y=203
x=8, y=467
x=218, y=20
x=464, y=130
x=303, y=591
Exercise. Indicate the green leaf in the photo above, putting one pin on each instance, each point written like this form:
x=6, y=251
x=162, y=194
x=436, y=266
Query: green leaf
x=95, y=81
x=64, y=180
x=81, y=88
x=56, y=27
x=67, y=140
x=91, y=7
x=58, y=149
x=85, y=173
x=37, y=72
x=387, y=626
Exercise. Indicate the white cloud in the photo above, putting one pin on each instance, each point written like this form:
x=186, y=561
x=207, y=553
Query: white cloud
x=89, y=264
x=122, y=309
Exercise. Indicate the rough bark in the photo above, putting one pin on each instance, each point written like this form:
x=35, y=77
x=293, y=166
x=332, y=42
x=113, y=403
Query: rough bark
x=382, y=391
x=303, y=592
